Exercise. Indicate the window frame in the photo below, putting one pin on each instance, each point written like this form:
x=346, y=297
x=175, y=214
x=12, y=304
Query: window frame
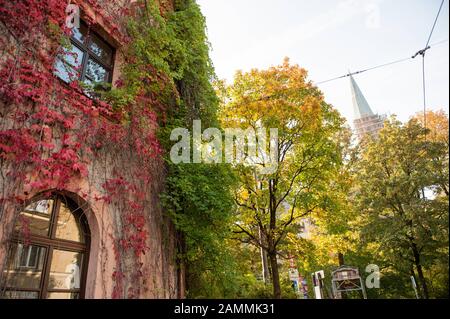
x=51, y=243
x=88, y=54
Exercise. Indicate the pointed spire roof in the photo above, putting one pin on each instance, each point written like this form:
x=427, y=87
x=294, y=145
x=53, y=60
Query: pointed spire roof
x=360, y=105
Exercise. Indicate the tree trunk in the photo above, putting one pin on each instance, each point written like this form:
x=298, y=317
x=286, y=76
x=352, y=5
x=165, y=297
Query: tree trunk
x=421, y=277
x=275, y=276
x=422, y=281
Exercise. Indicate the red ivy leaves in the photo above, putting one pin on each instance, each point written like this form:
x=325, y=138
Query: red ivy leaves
x=37, y=105
x=28, y=16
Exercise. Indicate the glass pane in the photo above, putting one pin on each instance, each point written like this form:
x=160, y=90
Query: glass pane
x=101, y=49
x=73, y=56
x=96, y=72
x=35, y=218
x=68, y=227
x=63, y=295
x=80, y=34
x=10, y=294
x=65, y=72
x=24, y=266
x=89, y=84
x=68, y=64
x=65, y=270
x=89, y=88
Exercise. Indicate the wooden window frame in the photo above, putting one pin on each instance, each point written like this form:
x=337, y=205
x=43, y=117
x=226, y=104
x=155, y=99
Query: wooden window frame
x=88, y=54
x=51, y=243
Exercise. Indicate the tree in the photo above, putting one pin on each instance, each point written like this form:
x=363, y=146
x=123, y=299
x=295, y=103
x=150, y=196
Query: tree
x=333, y=237
x=197, y=197
x=396, y=176
x=437, y=123
x=269, y=205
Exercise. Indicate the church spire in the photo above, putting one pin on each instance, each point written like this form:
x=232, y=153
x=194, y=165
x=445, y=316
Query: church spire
x=360, y=106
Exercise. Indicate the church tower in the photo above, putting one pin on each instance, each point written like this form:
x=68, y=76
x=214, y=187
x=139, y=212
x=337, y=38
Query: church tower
x=366, y=122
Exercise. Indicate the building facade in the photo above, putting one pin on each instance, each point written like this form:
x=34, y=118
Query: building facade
x=365, y=121
x=80, y=215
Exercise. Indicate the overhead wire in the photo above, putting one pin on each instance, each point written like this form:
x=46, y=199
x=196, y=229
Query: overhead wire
x=381, y=65
x=422, y=53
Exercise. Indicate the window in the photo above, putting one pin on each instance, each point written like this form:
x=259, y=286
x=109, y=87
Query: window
x=29, y=256
x=53, y=263
x=89, y=59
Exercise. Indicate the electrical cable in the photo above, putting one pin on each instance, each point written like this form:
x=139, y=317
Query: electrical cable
x=422, y=53
x=381, y=65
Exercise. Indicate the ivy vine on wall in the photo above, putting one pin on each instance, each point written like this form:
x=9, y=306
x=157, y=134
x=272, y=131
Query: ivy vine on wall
x=53, y=135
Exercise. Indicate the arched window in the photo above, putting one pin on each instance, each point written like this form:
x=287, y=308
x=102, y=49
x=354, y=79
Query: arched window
x=48, y=254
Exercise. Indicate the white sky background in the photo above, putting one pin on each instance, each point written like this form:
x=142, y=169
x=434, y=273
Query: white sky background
x=330, y=37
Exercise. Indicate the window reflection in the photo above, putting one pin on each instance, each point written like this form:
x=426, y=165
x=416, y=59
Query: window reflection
x=24, y=267
x=90, y=61
x=73, y=57
x=51, y=266
x=11, y=294
x=65, y=270
x=36, y=218
x=29, y=257
x=65, y=72
x=63, y=295
x=100, y=49
x=68, y=226
x=96, y=72
x=68, y=65
x=80, y=33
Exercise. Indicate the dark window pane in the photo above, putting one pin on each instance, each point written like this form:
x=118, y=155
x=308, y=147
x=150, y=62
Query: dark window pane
x=24, y=267
x=36, y=218
x=95, y=72
x=10, y=294
x=101, y=49
x=81, y=33
x=29, y=257
x=65, y=270
x=68, y=226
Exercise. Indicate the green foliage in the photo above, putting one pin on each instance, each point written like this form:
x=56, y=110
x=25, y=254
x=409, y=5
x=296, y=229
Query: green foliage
x=377, y=213
x=198, y=96
x=168, y=62
x=272, y=205
x=198, y=199
x=170, y=56
x=404, y=209
x=167, y=66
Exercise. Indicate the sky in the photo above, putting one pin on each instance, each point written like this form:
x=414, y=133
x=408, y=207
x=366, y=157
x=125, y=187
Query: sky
x=330, y=37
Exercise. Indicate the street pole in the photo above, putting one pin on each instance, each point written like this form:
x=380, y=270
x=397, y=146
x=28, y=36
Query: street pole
x=264, y=262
